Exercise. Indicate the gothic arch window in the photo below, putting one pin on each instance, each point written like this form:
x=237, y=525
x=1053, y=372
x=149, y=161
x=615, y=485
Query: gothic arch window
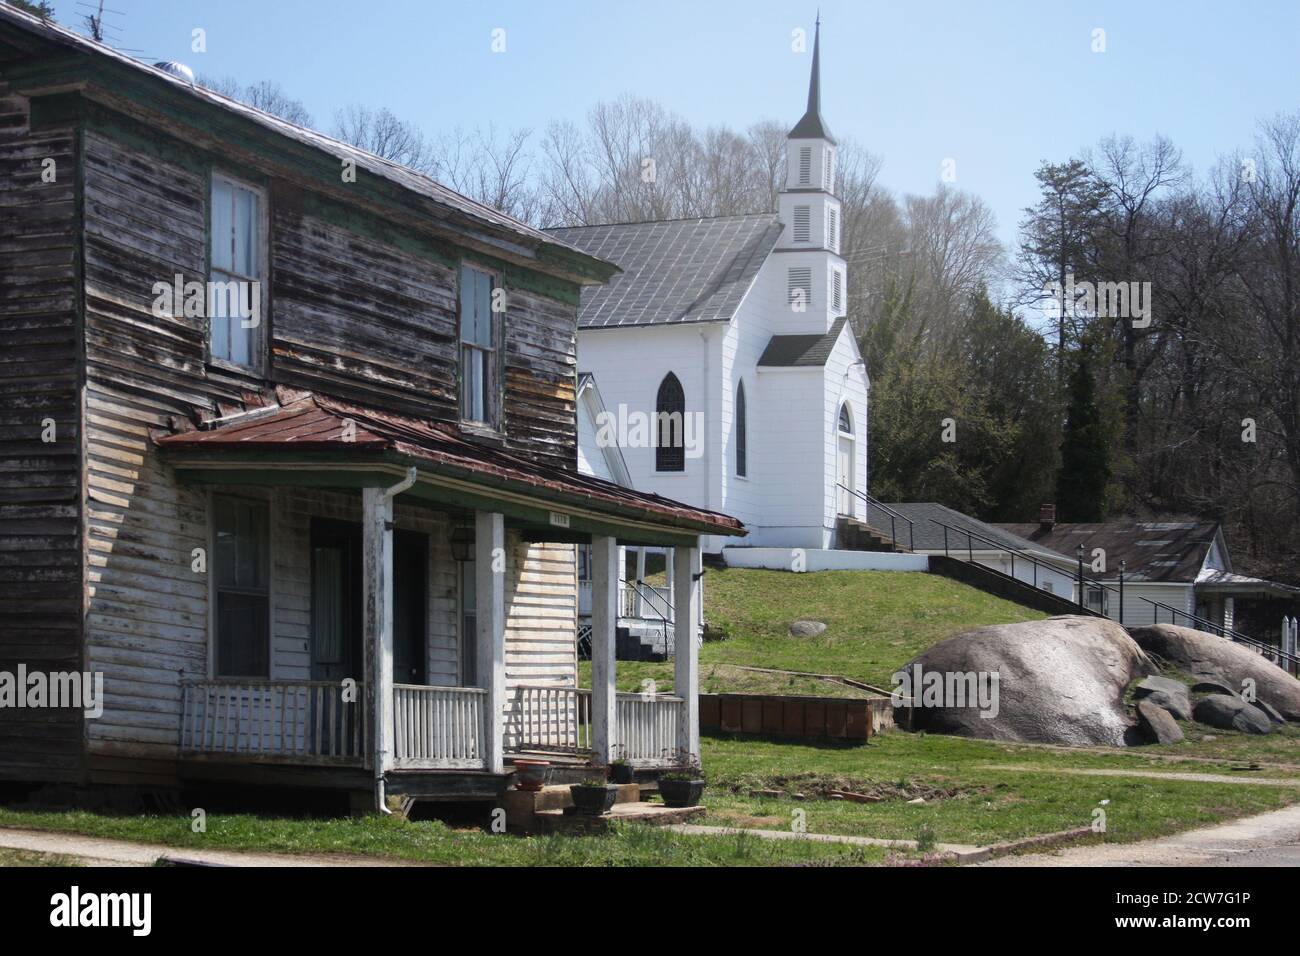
x=670, y=412
x=742, y=457
x=846, y=419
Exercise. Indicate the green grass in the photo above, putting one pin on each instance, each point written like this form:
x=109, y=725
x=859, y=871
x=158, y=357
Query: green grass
x=966, y=800
x=876, y=621
x=436, y=843
x=10, y=857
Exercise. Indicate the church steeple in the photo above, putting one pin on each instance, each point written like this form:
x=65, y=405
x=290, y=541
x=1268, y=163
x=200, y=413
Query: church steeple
x=812, y=126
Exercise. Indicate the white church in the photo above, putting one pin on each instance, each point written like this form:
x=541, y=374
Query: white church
x=739, y=324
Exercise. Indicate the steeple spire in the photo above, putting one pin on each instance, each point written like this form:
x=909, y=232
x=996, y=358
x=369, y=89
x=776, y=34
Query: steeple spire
x=812, y=126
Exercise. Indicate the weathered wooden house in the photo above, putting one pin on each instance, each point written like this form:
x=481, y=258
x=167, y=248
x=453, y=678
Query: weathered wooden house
x=326, y=538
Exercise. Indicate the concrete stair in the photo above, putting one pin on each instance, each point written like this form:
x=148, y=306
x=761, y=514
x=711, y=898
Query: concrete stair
x=854, y=535
x=551, y=809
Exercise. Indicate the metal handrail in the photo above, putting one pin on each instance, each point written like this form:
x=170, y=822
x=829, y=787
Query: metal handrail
x=1292, y=662
x=646, y=592
x=894, y=516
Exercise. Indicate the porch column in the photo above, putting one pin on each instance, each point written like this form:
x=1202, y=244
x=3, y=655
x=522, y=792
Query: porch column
x=640, y=576
x=687, y=608
x=490, y=588
x=377, y=601
x=604, y=620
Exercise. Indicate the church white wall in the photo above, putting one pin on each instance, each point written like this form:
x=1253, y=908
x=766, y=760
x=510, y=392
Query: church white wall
x=844, y=379
x=629, y=364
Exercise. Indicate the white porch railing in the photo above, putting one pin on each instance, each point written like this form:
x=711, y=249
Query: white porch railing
x=438, y=727
x=646, y=729
x=297, y=721
x=658, y=601
x=549, y=718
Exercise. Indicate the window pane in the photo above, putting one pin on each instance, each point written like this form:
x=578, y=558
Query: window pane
x=468, y=304
x=483, y=312
x=222, y=225
x=220, y=326
x=242, y=621
x=246, y=232
x=242, y=569
x=241, y=342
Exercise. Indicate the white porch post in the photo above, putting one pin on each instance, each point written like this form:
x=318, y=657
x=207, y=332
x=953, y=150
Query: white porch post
x=604, y=620
x=377, y=600
x=687, y=609
x=490, y=591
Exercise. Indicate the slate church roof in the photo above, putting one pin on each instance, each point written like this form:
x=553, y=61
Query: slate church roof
x=801, y=351
x=675, y=271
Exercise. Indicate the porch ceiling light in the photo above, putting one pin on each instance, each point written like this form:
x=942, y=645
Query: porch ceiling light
x=462, y=543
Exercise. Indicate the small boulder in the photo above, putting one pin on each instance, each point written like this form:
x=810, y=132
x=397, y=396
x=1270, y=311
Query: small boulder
x=806, y=628
x=1271, y=711
x=1211, y=685
x=1210, y=657
x=1231, y=713
x=1167, y=693
x=1156, y=723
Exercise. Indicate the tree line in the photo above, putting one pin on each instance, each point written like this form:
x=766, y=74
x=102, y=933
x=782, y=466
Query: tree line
x=996, y=386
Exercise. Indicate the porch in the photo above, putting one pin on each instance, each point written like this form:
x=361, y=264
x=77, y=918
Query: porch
x=319, y=723
x=430, y=543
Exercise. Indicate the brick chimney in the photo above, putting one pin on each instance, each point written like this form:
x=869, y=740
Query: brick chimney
x=1046, y=517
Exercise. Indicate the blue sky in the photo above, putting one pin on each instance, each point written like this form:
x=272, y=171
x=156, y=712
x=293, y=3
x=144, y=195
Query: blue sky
x=998, y=87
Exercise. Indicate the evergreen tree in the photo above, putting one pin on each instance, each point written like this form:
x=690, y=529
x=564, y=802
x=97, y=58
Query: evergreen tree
x=1081, y=484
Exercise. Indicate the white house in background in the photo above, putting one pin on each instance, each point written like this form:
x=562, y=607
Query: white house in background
x=739, y=323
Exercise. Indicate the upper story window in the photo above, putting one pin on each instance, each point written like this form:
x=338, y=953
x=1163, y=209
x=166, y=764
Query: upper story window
x=802, y=223
x=670, y=415
x=742, y=453
x=799, y=288
x=236, y=296
x=480, y=347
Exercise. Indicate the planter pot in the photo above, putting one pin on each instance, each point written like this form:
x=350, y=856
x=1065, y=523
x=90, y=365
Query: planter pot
x=593, y=801
x=531, y=774
x=681, y=793
x=622, y=773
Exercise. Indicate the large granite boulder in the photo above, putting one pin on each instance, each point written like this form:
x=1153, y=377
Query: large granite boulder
x=1156, y=723
x=1231, y=713
x=1217, y=659
x=1167, y=693
x=1058, y=681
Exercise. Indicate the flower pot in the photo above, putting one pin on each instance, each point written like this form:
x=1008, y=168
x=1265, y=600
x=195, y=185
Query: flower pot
x=622, y=773
x=531, y=774
x=681, y=793
x=592, y=801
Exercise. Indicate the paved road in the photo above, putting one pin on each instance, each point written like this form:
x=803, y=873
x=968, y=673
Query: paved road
x=1270, y=839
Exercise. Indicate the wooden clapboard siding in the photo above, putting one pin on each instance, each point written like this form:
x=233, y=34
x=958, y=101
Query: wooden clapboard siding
x=41, y=564
x=541, y=614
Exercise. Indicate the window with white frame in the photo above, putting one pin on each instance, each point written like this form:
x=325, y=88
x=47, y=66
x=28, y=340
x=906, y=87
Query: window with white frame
x=238, y=266
x=480, y=374
x=242, y=587
x=802, y=223
x=742, y=450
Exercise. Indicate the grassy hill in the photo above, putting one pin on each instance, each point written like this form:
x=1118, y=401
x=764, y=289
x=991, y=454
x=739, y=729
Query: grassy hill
x=876, y=621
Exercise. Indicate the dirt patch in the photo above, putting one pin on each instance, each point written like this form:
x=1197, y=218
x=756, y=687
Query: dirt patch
x=819, y=786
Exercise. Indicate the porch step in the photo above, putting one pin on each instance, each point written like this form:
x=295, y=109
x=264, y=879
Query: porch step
x=654, y=814
x=523, y=806
x=855, y=535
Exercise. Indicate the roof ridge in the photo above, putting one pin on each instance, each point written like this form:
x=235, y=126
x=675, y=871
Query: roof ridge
x=655, y=222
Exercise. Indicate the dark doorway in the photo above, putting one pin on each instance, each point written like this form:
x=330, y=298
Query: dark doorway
x=410, y=580
x=336, y=625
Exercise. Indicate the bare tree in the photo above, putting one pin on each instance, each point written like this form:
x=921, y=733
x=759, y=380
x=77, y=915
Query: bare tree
x=386, y=135
x=265, y=95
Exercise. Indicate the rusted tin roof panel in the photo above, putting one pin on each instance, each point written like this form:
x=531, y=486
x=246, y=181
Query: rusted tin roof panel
x=320, y=423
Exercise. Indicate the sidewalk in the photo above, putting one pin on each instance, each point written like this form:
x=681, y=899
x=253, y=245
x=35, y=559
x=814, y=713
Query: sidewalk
x=97, y=851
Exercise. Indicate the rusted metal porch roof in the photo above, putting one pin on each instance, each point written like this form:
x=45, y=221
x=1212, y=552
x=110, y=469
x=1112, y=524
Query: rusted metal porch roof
x=321, y=428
